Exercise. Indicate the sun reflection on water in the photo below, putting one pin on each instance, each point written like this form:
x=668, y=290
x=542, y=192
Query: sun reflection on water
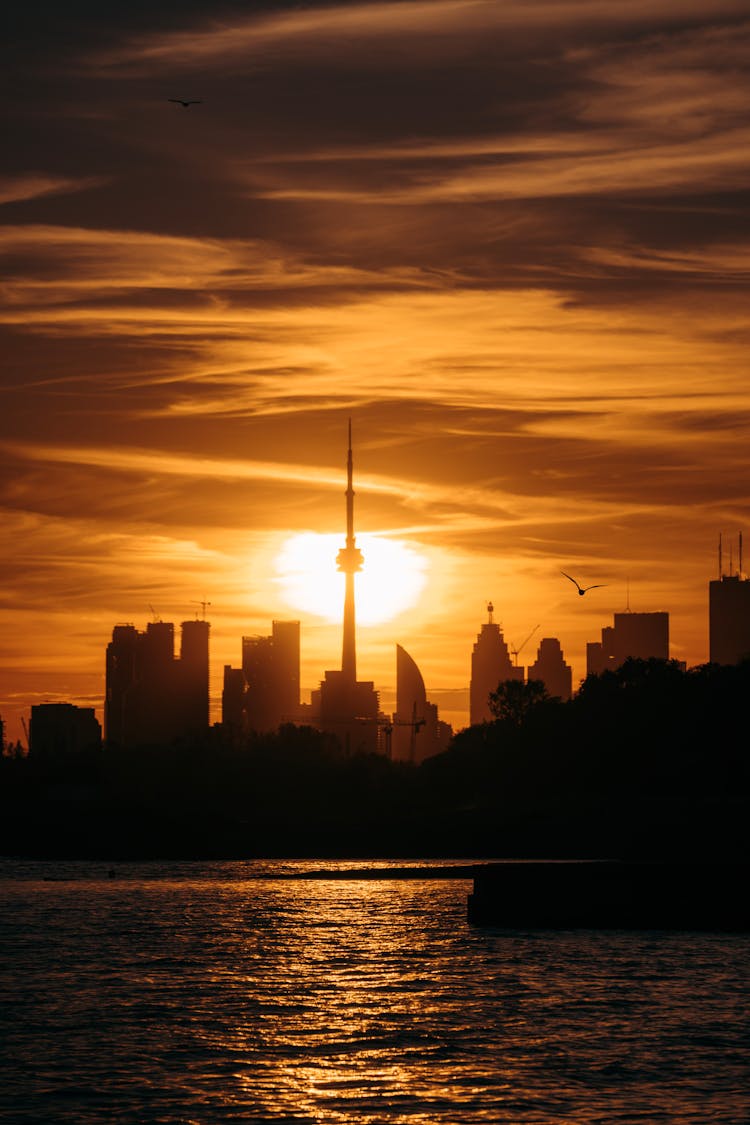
x=220, y=1000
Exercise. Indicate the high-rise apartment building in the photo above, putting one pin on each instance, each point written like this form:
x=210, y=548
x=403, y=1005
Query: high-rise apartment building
x=490, y=666
x=233, y=699
x=151, y=696
x=264, y=693
x=121, y=674
x=642, y=636
x=286, y=668
x=257, y=665
x=551, y=669
x=194, y=672
x=271, y=667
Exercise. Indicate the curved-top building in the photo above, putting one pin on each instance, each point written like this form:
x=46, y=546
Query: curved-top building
x=417, y=732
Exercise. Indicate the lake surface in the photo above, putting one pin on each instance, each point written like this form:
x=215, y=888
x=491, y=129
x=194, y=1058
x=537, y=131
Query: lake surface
x=204, y=992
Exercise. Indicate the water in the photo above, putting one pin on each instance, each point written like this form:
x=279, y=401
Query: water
x=202, y=993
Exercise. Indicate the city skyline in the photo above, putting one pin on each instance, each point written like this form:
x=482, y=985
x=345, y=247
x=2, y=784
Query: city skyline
x=650, y=631
x=509, y=240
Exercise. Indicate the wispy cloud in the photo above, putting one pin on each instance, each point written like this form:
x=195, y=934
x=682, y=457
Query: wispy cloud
x=509, y=239
x=31, y=186
x=61, y=263
x=424, y=24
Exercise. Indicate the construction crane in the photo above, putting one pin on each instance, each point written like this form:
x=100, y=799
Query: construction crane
x=415, y=724
x=26, y=732
x=516, y=651
x=203, y=606
x=387, y=725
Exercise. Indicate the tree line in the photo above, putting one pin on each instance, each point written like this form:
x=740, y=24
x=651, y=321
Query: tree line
x=645, y=760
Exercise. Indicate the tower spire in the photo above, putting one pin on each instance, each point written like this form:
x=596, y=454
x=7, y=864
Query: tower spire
x=349, y=560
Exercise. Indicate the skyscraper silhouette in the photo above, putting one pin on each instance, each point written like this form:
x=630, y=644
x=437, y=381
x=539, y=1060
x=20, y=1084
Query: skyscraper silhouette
x=729, y=613
x=257, y=665
x=286, y=669
x=151, y=697
x=416, y=731
x=490, y=665
x=551, y=669
x=271, y=671
x=644, y=636
x=194, y=673
x=346, y=706
x=60, y=730
x=264, y=693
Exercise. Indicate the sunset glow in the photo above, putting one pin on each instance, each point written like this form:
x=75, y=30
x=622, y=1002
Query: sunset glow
x=391, y=580
x=508, y=240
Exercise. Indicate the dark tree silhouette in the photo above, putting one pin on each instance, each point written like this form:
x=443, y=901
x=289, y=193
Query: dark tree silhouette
x=513, y=700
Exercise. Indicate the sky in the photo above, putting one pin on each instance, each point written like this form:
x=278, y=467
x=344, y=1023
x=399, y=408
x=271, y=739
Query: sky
x=508, y=239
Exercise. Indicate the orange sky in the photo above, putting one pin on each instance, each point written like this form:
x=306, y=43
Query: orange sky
x=510, y=240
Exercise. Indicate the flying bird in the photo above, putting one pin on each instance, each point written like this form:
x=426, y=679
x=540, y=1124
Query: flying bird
x=185, y=104
x=582, y=589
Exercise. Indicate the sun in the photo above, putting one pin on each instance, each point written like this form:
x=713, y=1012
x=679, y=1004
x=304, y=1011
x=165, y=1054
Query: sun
x=390, y=582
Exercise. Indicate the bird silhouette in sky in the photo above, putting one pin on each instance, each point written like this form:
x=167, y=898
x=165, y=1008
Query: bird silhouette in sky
x=185, y=104
x=582, y=589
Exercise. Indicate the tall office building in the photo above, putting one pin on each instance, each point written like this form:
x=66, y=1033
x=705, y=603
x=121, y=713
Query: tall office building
x=729, y=613
x=416, y=731
x=346, y=706
x=729, y=619
x=490, y=665
x=551, y=669
x=152, y=697
x=642, y=636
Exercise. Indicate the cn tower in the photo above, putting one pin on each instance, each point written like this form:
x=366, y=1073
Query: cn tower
x=349, y=560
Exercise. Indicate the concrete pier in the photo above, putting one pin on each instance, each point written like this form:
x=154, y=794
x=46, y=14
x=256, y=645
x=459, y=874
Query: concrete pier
x=611, y=894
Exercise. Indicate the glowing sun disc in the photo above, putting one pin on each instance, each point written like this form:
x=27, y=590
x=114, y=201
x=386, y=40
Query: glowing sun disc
x=389, y=583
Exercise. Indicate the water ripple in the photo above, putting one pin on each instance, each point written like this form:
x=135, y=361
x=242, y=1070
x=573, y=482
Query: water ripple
x=209, y=993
